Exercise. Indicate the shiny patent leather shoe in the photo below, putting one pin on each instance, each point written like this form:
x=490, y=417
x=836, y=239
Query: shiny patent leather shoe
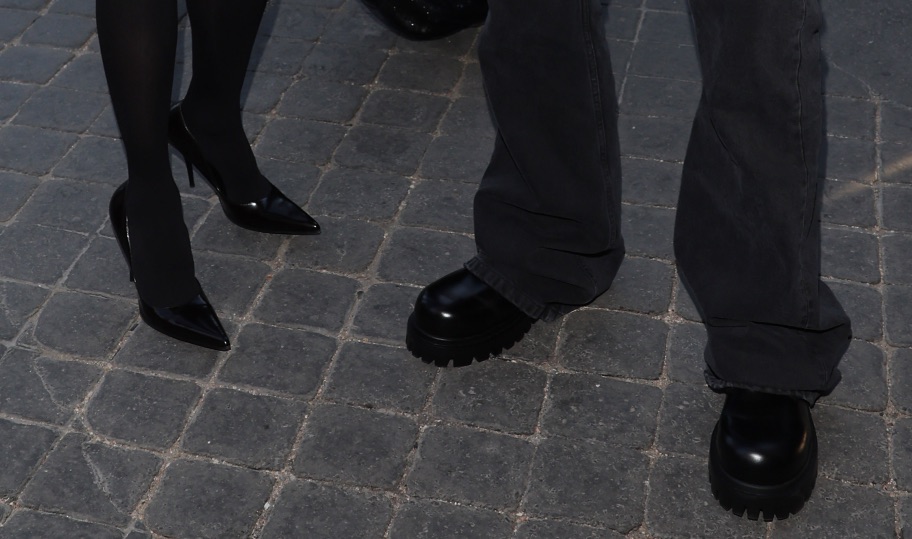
x=428, y=19
x=460, y=318
x=274, y=214
x=194, y=322
x=763, y=455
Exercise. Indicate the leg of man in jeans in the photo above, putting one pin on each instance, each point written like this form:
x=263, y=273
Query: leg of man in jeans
x=747, y=238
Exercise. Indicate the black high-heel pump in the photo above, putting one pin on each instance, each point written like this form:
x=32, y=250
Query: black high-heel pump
x=275, y=213
x=194, y=322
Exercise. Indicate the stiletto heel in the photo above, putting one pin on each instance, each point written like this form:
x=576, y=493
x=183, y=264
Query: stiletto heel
x=194, y=322
x=275, y=213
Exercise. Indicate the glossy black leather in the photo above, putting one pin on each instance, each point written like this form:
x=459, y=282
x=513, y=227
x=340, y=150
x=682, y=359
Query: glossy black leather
x=275, y=213
x=429, y=19
x=763, y=439
x=194, y=322
x=460, y=306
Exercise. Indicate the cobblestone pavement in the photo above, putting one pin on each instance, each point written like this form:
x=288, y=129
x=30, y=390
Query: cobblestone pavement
x=319, y=423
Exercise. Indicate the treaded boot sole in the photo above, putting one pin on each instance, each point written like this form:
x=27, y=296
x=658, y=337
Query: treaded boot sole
x=461, y=352
x=775, y=501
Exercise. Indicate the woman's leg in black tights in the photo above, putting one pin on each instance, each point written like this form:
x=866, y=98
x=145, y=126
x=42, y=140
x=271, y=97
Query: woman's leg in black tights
x=138, y=40
x=224, y=32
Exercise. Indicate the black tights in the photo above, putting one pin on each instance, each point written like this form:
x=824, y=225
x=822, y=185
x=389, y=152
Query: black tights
x=138, y=41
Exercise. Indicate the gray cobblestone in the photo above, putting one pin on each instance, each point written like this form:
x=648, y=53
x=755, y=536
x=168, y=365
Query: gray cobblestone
x=688, y=416
x=63, y=320
x=420, y=256
x=843, y=432
x=309, y=298
x=440, y=205
x=840, y=509
x=20, y=302
x=344, y=245
x=60, y=30
x=901, y=372
x=25, y=524
x=23, y=447
x=547, y=529
x=426, y=520
x=618, y=344
x=360, y=194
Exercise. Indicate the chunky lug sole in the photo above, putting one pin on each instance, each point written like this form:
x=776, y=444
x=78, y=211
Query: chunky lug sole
x=775, y=501
x=461, y=352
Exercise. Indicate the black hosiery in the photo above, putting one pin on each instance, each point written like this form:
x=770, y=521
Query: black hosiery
x=224, y=32
x=138, y=41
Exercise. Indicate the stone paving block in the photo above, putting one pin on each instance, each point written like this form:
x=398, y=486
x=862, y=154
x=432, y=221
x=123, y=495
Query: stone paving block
x=621, y=22
x=405, y=109
x=12, y=96
x=650, y=182
x=689, y=413
x=279, y=55
x=847, y=254
x=621, y=53
x=355, y=446
x=30, y=150
x=384, y=149
x=19, y=302
x=278, y=359
x=204, y=500
x=470, y=117
x=36, y=64
x=595, y=483
x=96, y=159
x=442, y=205
x=419, y=519
x=84, y=325
x=456, y=157
x=34, y=5
x=296, y=180
x=681, y=505
x=144, y=410
x=596, y=408
x=85, y=72
x=656, y=138
x=896, y=123
x=897, y=258
x=252, y=430
x=5, y=510
x=897, y=199
x=60, y=30
x=839, y=510
x=665, y=27
x=849, y=159
x=353, y=24
x=848, y=203
x=69, y=205
x=898, y=309
x=43, y=389
x=384, y=311
x=427, y=72
x=617, y=344
x=262, y=91
x=648, y=231
x=498, y=395
x=641, y=285
x=901, y=374
x=470, y=84
x=294, y=20
x=26, y=524
x=308, y=298
x=838, y=82
x=91, y=480
x=902, y=454
x=661, y=97
x=17, y=188
x=892, y=157
x=421, y=256
x=85, y=8
x=469, y=466
x=220, y=235
x=686, y=343
x=668, y=60
x=306, y=509
x=22, y=448
x=300, y=140
x=149, y=349
x=684, y=305
x=323, y=100
x=360, y=194
x=380, y=377
x=850, y=118
x=864, y=384
x=355, y=64
x=230, y=282
x=344, y=245
x=538, y=345
x=549, y=529
x=14, y=22
x=844, y=435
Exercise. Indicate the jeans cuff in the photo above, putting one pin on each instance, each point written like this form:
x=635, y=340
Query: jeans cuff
x=506, y=288
x=720, y=386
